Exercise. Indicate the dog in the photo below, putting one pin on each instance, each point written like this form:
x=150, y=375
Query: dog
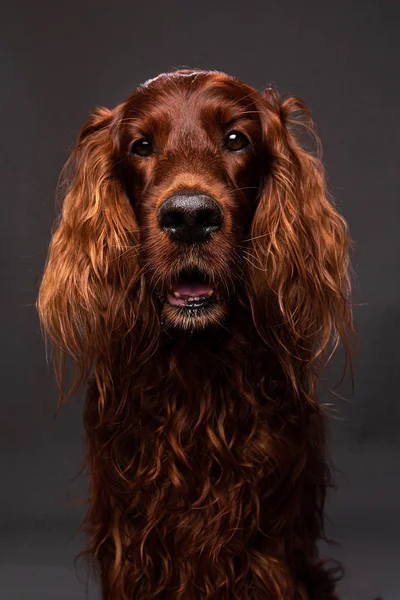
x=199, y=276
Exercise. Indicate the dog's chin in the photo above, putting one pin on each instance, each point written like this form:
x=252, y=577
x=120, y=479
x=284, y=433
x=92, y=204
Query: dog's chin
x=194, y=318
x=193, y=302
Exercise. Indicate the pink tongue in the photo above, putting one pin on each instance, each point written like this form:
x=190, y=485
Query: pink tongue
x=192, y=289
x=187, y=291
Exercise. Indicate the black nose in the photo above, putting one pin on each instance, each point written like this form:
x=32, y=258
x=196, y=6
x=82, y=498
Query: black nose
x=190, y=218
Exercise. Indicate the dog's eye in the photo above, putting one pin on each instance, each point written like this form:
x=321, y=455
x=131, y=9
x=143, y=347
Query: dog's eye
x=142, y=147
x=234, y=141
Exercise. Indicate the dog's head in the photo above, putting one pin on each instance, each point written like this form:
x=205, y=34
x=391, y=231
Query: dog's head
x=193, y=192
x=192, y=157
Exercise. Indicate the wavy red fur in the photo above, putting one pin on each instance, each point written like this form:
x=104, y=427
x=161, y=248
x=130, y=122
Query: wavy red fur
x=206, y=442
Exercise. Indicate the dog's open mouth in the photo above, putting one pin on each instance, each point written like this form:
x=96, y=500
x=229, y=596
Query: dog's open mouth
x=192, y=289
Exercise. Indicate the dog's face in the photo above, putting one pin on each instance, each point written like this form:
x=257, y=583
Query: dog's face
x=193, y=192
x=192, y=160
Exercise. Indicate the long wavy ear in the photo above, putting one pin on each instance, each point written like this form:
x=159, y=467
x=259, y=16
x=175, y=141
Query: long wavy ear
x=91, y=264
x=299, y=267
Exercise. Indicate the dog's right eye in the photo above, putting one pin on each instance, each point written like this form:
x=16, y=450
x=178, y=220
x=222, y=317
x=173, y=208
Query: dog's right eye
x=142, y=147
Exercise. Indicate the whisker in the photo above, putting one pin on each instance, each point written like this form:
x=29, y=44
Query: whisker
x=239, y=189
x=256, y=237
x=253, y=265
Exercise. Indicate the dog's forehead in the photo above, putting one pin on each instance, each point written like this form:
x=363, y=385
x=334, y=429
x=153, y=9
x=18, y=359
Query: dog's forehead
x=191, y=89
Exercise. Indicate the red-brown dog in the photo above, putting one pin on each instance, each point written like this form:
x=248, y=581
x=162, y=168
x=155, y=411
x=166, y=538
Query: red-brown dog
x=197, y=276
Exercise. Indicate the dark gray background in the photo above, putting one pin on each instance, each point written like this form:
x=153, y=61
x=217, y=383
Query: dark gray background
x=60, y=60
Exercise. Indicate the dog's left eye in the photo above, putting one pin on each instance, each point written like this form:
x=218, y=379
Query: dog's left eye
x=235, y=140
x=142, y=147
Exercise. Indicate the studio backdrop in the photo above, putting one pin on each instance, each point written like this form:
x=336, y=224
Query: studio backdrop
x=60, y=61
